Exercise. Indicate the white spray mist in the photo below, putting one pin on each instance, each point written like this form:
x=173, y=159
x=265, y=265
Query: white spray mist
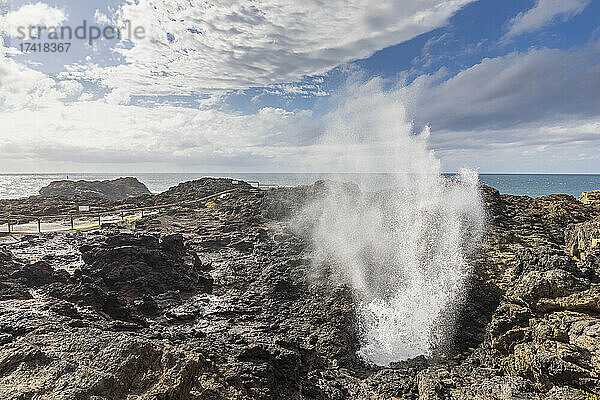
x=401, y=250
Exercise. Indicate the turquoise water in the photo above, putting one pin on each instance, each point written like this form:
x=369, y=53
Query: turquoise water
x=15, y=186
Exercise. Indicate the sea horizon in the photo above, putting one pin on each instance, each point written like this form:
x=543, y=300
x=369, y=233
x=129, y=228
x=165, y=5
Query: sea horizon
x=18, y=185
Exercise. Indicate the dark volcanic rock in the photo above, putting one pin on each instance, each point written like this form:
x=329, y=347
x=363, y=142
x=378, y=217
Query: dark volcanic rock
x=65, y=197
x=49, y=205
x=113, y=190
x=17, y=278
x=138, y=265
x=124, y=273
x=537, y=335
x=11, y=288
x=39, y=273
x=222, y=302
x=193, y=190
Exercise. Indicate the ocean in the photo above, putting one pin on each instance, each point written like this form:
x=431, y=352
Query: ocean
x=14, y=186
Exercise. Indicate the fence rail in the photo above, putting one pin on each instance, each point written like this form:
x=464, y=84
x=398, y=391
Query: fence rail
x=71, y=217
x=275, y=186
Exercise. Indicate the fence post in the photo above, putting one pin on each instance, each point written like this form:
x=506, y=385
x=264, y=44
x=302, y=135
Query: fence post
x=72, y=223
x=142, y=213
x=99, y=222
x=9, y=224
x=39, y=225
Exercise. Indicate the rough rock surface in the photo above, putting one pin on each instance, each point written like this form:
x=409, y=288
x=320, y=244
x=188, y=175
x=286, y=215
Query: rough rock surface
x=114, y=190
x=542, y=338
x=590, y=198
x=582, y=239
x=222, y=303
x=193, y=190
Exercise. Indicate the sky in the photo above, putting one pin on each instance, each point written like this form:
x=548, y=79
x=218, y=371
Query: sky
x=501, y=86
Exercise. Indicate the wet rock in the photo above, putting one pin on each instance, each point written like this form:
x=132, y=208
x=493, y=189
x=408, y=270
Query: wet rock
x=225, y=302
x=13, y=290
x=5, y=257
x=17, y=278
x=138, y=265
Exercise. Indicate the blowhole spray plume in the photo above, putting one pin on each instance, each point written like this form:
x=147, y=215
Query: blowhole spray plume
x=403, y=249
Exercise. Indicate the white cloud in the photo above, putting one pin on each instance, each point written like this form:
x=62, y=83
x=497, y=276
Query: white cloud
x=515, y=111
x=523, y=112
x=102, y=133
x=39, y=14
x=522, y=108
x=485, y=124
x=70, y=89
x=567, y=146
x=23, y=87
x=101, y=18
x=211, y=48
x=199, y=46
x=516, y=89
x=544, y=13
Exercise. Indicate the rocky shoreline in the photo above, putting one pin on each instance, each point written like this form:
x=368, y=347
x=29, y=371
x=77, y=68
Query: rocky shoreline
x=220, y=303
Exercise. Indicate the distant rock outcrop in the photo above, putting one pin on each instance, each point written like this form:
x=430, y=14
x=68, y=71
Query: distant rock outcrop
x=114, y=190
x=62, y=197
x=194, y=190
